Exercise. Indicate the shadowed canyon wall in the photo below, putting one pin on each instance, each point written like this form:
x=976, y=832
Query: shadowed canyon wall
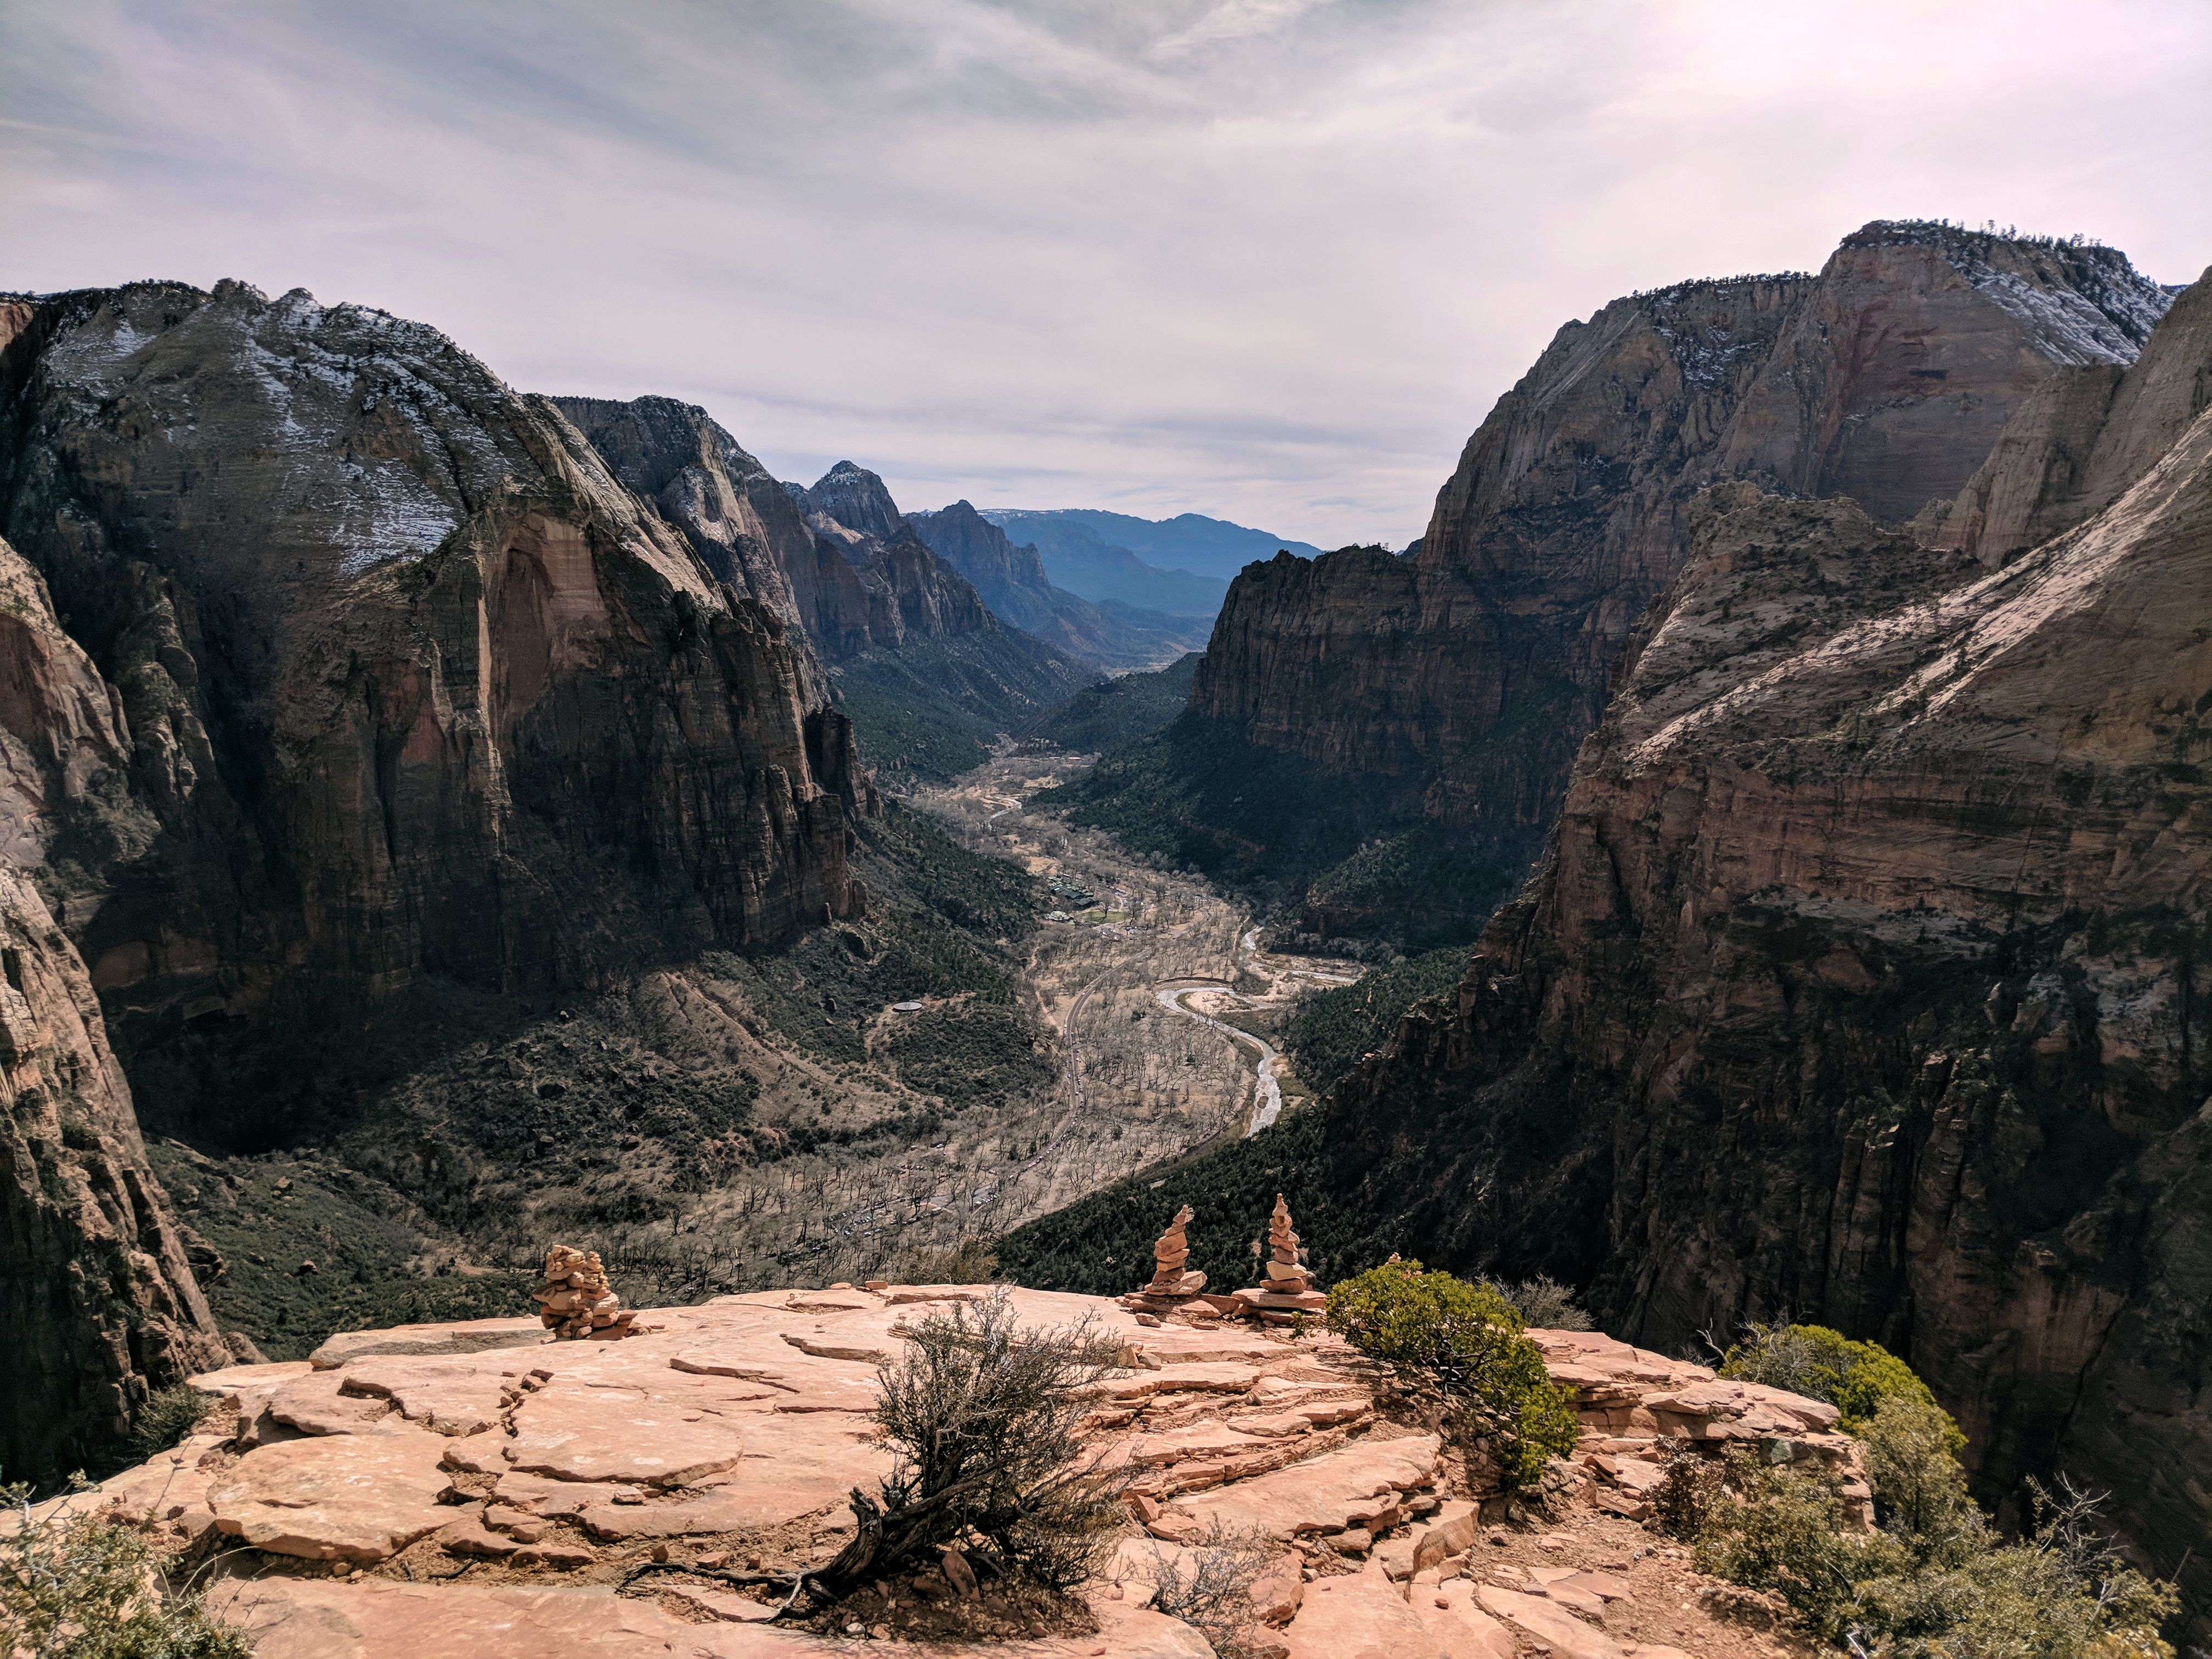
x=1456, y=683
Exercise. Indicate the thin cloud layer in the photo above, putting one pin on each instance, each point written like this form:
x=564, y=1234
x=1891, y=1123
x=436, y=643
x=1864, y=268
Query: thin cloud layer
x=1271, y=259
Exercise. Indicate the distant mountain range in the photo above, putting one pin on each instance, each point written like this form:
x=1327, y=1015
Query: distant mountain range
x=1181, y=565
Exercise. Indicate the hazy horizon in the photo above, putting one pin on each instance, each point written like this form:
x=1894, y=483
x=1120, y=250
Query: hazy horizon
x=1266, y=260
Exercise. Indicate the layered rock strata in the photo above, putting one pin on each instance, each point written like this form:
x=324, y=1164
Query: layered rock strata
x=1861, y=980
x=1455, y=685
x=736, y=1434
x=98, y=1300
x=406, y=670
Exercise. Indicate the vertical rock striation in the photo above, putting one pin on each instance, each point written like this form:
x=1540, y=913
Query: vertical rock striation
x=1457, y=683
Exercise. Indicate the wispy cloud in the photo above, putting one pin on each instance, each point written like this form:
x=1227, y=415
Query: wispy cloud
x=1262, y=258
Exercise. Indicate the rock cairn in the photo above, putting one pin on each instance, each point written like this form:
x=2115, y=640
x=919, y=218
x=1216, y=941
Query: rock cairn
x=1287, y=1292
x=1174, y=1287
x=576, y=1304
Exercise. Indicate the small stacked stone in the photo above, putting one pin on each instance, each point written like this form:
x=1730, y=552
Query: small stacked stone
x=576, y=1304
x=1173, y=1286
x=1287, y=1288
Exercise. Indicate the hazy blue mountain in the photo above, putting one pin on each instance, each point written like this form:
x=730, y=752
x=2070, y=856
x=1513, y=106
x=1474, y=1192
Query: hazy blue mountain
x=1078, y=560
x=1189, y=542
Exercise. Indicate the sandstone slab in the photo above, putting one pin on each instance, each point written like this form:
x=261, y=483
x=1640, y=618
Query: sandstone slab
x=1547, y=1622
x=349, y=1497
x=1349, y=1488
x=573, y=1433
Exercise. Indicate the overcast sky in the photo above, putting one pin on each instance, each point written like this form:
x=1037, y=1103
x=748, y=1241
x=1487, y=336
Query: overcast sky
x=1268, y=260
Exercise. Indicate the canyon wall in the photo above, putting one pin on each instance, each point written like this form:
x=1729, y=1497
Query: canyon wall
x=1862, y=980
x=1455, y=683
x=100, y=1301
x=411, y=684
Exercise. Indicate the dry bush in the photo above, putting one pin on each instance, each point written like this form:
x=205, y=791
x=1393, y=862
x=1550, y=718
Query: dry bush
x=1682, y=1501
x=79, y=1585
x=985, y=1416
x=1213, y=1594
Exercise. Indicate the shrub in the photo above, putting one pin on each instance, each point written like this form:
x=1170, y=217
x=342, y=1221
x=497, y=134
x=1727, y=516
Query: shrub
x=1786, y=1531
x=1682, y=1501
x=1544, y=1302
x=1212, y=1594
x=1935, y=1580
x=984, y=1415
x=1467, y=1340
x=1824, y=1365
x=75, y=1585
x=166, y=1418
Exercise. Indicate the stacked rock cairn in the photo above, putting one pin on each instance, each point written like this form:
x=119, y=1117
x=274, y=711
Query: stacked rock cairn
x=1172, y=1286
x=576, y=1304
x=1286, y=1294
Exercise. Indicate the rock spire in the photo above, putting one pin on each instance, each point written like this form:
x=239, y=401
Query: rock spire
x=1286, y=1290
x=577, y=1303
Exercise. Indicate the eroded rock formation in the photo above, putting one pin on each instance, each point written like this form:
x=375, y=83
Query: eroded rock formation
x=98, y=1299
x=407, y=673
x=1455, y=685
x=1862, y=980
x=401, y=1457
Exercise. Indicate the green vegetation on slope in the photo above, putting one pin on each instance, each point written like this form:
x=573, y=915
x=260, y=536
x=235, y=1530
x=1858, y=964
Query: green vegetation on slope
x=1936, y=1579
x=929, y=710
x=311, y=1246
x=1292, y=835
x=1115, y=713
x=460, y=1123
x=1465, y=1339
x=1333, y=1031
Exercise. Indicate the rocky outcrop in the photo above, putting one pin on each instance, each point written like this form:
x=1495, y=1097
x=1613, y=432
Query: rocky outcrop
x=856, y=498
x=1862, y=980
x=404, y=1456
x=412, y=683
x=1459, y=682
x=2081, y=438
x=98, y=1300
x=744, y=527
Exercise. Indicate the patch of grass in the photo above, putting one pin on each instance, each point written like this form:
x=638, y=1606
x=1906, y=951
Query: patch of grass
x=167, y=1417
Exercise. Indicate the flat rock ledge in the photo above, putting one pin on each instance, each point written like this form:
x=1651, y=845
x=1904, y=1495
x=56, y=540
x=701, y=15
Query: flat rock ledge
x=474, y=1492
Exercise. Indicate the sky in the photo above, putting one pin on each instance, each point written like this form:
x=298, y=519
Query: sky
x=1271, y=261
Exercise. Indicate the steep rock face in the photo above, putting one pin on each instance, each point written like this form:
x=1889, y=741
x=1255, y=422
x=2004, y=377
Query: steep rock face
x=1860, y=982
x=407, y=671
x=99, y=1297
x=64, y=749
x=858, y=498
x=744, y=527
x=1462, y=679
x=1003, y=573
x=2084, y=436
